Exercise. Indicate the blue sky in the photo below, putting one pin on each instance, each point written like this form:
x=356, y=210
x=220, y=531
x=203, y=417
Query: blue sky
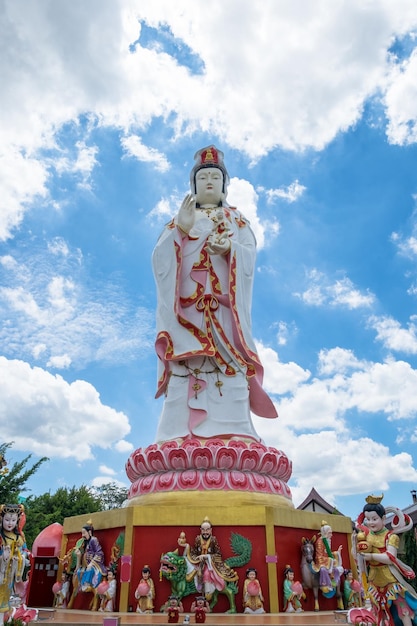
x=315, y=107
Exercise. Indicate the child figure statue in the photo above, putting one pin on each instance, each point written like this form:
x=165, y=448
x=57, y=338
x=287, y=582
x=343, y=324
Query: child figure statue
x=252, y=593
x=173, y=608
x=200, y=607
x=61, y=591
x=108, y=594
x=145, y=592
x=351, y=591
x=293, y=592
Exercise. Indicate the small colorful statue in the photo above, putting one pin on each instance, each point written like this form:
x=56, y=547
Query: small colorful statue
x=145, y=592
x=12, y=552
x=61, y=591
x=212, y=572
x=107, y=592
x=173, y=608
x=351, y=591
x=19, y=612
x=89, y=567
x=252, y=593
x=293, y=592
x=328, y=562
x=200, y=607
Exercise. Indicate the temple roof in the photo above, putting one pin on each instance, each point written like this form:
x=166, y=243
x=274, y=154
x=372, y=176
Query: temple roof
x=314, y=502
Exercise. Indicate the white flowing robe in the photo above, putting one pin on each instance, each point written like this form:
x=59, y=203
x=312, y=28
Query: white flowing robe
x=209, y=369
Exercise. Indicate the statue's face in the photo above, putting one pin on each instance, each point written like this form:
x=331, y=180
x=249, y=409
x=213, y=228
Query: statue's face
x=373, y=521
x=209, y=185
x=205, y=530
x=9, y=521
x=85, y=533
x=251, y=575
x=327, y=533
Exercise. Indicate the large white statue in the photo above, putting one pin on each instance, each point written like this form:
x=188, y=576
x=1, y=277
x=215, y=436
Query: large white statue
x=203, y=264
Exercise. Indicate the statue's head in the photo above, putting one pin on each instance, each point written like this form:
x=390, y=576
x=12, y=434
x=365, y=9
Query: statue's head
x=87, y=530
x=326, y=530
x=10, y=516
x=210, y=158
x=206, y=529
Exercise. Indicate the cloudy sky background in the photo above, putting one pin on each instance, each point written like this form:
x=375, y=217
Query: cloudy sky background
x=103, y=104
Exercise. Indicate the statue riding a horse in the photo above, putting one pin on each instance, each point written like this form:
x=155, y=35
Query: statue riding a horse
x=317, y=575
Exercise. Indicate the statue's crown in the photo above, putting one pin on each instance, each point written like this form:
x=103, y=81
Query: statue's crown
x=209, y=156
x=374, y=499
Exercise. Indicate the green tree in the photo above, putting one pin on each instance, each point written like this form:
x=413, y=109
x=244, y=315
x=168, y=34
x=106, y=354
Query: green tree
x=41, y=511
x=111, y=496
x=410, y=557
x=13, y=479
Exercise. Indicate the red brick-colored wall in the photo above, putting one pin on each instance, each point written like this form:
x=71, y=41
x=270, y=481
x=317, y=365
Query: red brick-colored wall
x=149, y=543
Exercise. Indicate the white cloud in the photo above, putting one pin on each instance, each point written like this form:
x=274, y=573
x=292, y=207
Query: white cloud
x=340, y=293
x=99, y=481
x=315, y=432
x=22, y=180
x=386, y=388
x=284, y=332
x=60, y=362
x=134, y=147
x=393, y=336
x=338, y=56
x=123, y=446
x=82, y=163
x=242, y=195
x=165, y=208
x=401, y=102
x=338, y=360
x=104, y=469
x=58, y=246
x=325, y=459
x=280, y=378
x=406, y=246
x=60, y=320
x=293, y=192
x=45, y=414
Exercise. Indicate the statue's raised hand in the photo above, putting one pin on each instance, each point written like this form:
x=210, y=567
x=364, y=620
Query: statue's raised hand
x=186, y=214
